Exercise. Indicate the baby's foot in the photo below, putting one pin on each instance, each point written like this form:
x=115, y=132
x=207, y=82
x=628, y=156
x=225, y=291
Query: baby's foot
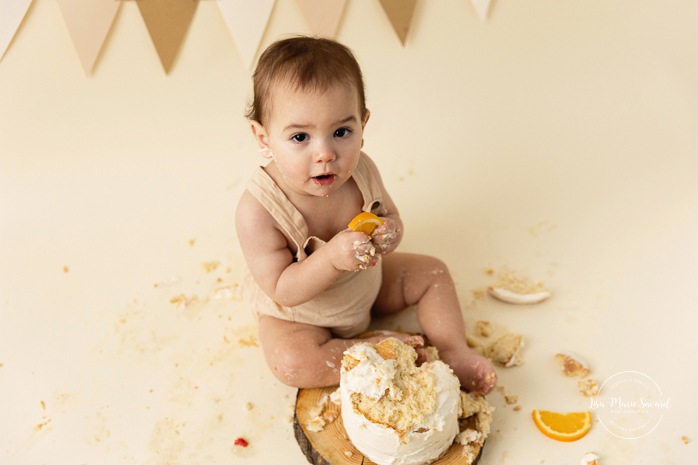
x=474, y=371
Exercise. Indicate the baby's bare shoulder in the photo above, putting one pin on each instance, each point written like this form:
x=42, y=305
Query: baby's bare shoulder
x=249, y=209
x=263, y=245
x=255, y=225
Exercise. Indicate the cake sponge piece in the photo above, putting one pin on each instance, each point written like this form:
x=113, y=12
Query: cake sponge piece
x=506, y=350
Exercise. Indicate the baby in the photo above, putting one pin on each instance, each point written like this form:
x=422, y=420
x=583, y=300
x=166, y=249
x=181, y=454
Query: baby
x=313, y=281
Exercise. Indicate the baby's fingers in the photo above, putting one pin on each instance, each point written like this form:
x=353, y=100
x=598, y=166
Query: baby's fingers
x=383, y=241
x=364, y=248
x=365, y=253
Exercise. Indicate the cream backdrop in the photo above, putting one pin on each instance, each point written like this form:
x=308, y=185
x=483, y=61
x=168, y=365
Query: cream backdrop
x=557, y=138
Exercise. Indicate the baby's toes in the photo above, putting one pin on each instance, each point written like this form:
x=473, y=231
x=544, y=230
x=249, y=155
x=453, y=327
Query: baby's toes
x=487, y=377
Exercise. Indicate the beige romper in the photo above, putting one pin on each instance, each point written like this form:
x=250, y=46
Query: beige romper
x=344, y=307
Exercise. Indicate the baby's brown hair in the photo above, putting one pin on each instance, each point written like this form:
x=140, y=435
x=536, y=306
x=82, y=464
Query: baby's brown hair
x=304, y=63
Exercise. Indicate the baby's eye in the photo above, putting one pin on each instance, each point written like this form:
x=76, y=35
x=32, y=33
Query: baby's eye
x=300, y=137
x=342, y=132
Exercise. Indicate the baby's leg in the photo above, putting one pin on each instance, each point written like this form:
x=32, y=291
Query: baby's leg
x=307, y=356
x=410, y=279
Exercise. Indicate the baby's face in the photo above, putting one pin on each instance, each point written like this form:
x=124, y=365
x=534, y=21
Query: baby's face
x=315, y=137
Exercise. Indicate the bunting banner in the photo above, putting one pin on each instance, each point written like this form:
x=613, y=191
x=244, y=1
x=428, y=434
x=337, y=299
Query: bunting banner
x=322, y=17
x=167, y=22
x=481, y=7
x=12, y=13
x=246, y=22
x=400, y=15
x=88, y=24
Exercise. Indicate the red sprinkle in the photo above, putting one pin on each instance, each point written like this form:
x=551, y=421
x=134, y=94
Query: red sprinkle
x=241, y=442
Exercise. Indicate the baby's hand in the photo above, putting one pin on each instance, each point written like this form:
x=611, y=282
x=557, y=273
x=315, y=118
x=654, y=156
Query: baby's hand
x=386, y=237
x=352, y=251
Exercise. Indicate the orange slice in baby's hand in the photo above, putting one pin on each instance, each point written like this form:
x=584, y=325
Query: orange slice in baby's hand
x=365, y=222
x=563, y=426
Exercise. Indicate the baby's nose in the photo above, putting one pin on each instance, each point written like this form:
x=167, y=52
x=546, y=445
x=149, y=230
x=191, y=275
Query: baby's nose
x=325, y=152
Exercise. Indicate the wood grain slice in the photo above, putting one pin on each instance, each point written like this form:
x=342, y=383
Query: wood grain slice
x=332, y=446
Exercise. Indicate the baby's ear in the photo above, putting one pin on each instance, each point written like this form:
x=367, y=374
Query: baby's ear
x=260, y=134
x=364, y=120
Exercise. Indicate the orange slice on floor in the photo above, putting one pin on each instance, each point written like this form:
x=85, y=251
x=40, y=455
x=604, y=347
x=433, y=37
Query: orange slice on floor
x=365, y=222
x=563, y=426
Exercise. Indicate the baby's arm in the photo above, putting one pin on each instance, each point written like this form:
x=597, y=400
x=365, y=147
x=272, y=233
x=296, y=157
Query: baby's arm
x=271, y=262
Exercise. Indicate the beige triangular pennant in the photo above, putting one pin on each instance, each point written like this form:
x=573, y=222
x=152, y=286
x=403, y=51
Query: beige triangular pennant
x=11, y=15
x=482, y=7
x=400, y=15
x=322, y=17
x=88, y=24
x=246, y=22
x=167, y=22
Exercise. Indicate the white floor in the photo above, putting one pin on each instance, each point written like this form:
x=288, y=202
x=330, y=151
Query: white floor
x=557, y=141
x=123, y=341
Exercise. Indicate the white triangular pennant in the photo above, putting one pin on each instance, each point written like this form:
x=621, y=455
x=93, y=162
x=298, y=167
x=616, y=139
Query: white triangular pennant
x=246, y=22
x=88, y=24
x=482, y=7
x=323, y=17
x=11, y=15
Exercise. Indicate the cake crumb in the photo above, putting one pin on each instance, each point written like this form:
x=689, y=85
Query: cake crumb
x=249, y=342
x=211, y=266
x=483, y=328
x=192, y=242
x=44, y=424
x=588, y=387
x=348, y=453
x=336, y=397
x=590, y=458
x=475, y=404
x=249, y=406
x=468, y=436
x=470, y=440
x=685, y=439
x=320, y=416
x=515, y=282
x=517, y=408
x=315, y=424
x=469, y=453
x=478, y=294
x=506, y=350
x=224, y=292
x=66, y=269
x=182, y=300
x=509, y=398
x=572, y=365
x=329, y=416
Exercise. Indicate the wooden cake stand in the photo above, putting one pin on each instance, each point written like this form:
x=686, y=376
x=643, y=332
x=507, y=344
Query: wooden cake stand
x=331, y=446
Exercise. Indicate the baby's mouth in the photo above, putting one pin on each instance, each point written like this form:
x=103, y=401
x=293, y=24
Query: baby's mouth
x=324, y=179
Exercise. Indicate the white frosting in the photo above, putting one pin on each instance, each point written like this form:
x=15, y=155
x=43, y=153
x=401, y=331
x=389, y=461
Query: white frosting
x=590, y=458
x=468, y=436
x=372, y=376
x=381, y=444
